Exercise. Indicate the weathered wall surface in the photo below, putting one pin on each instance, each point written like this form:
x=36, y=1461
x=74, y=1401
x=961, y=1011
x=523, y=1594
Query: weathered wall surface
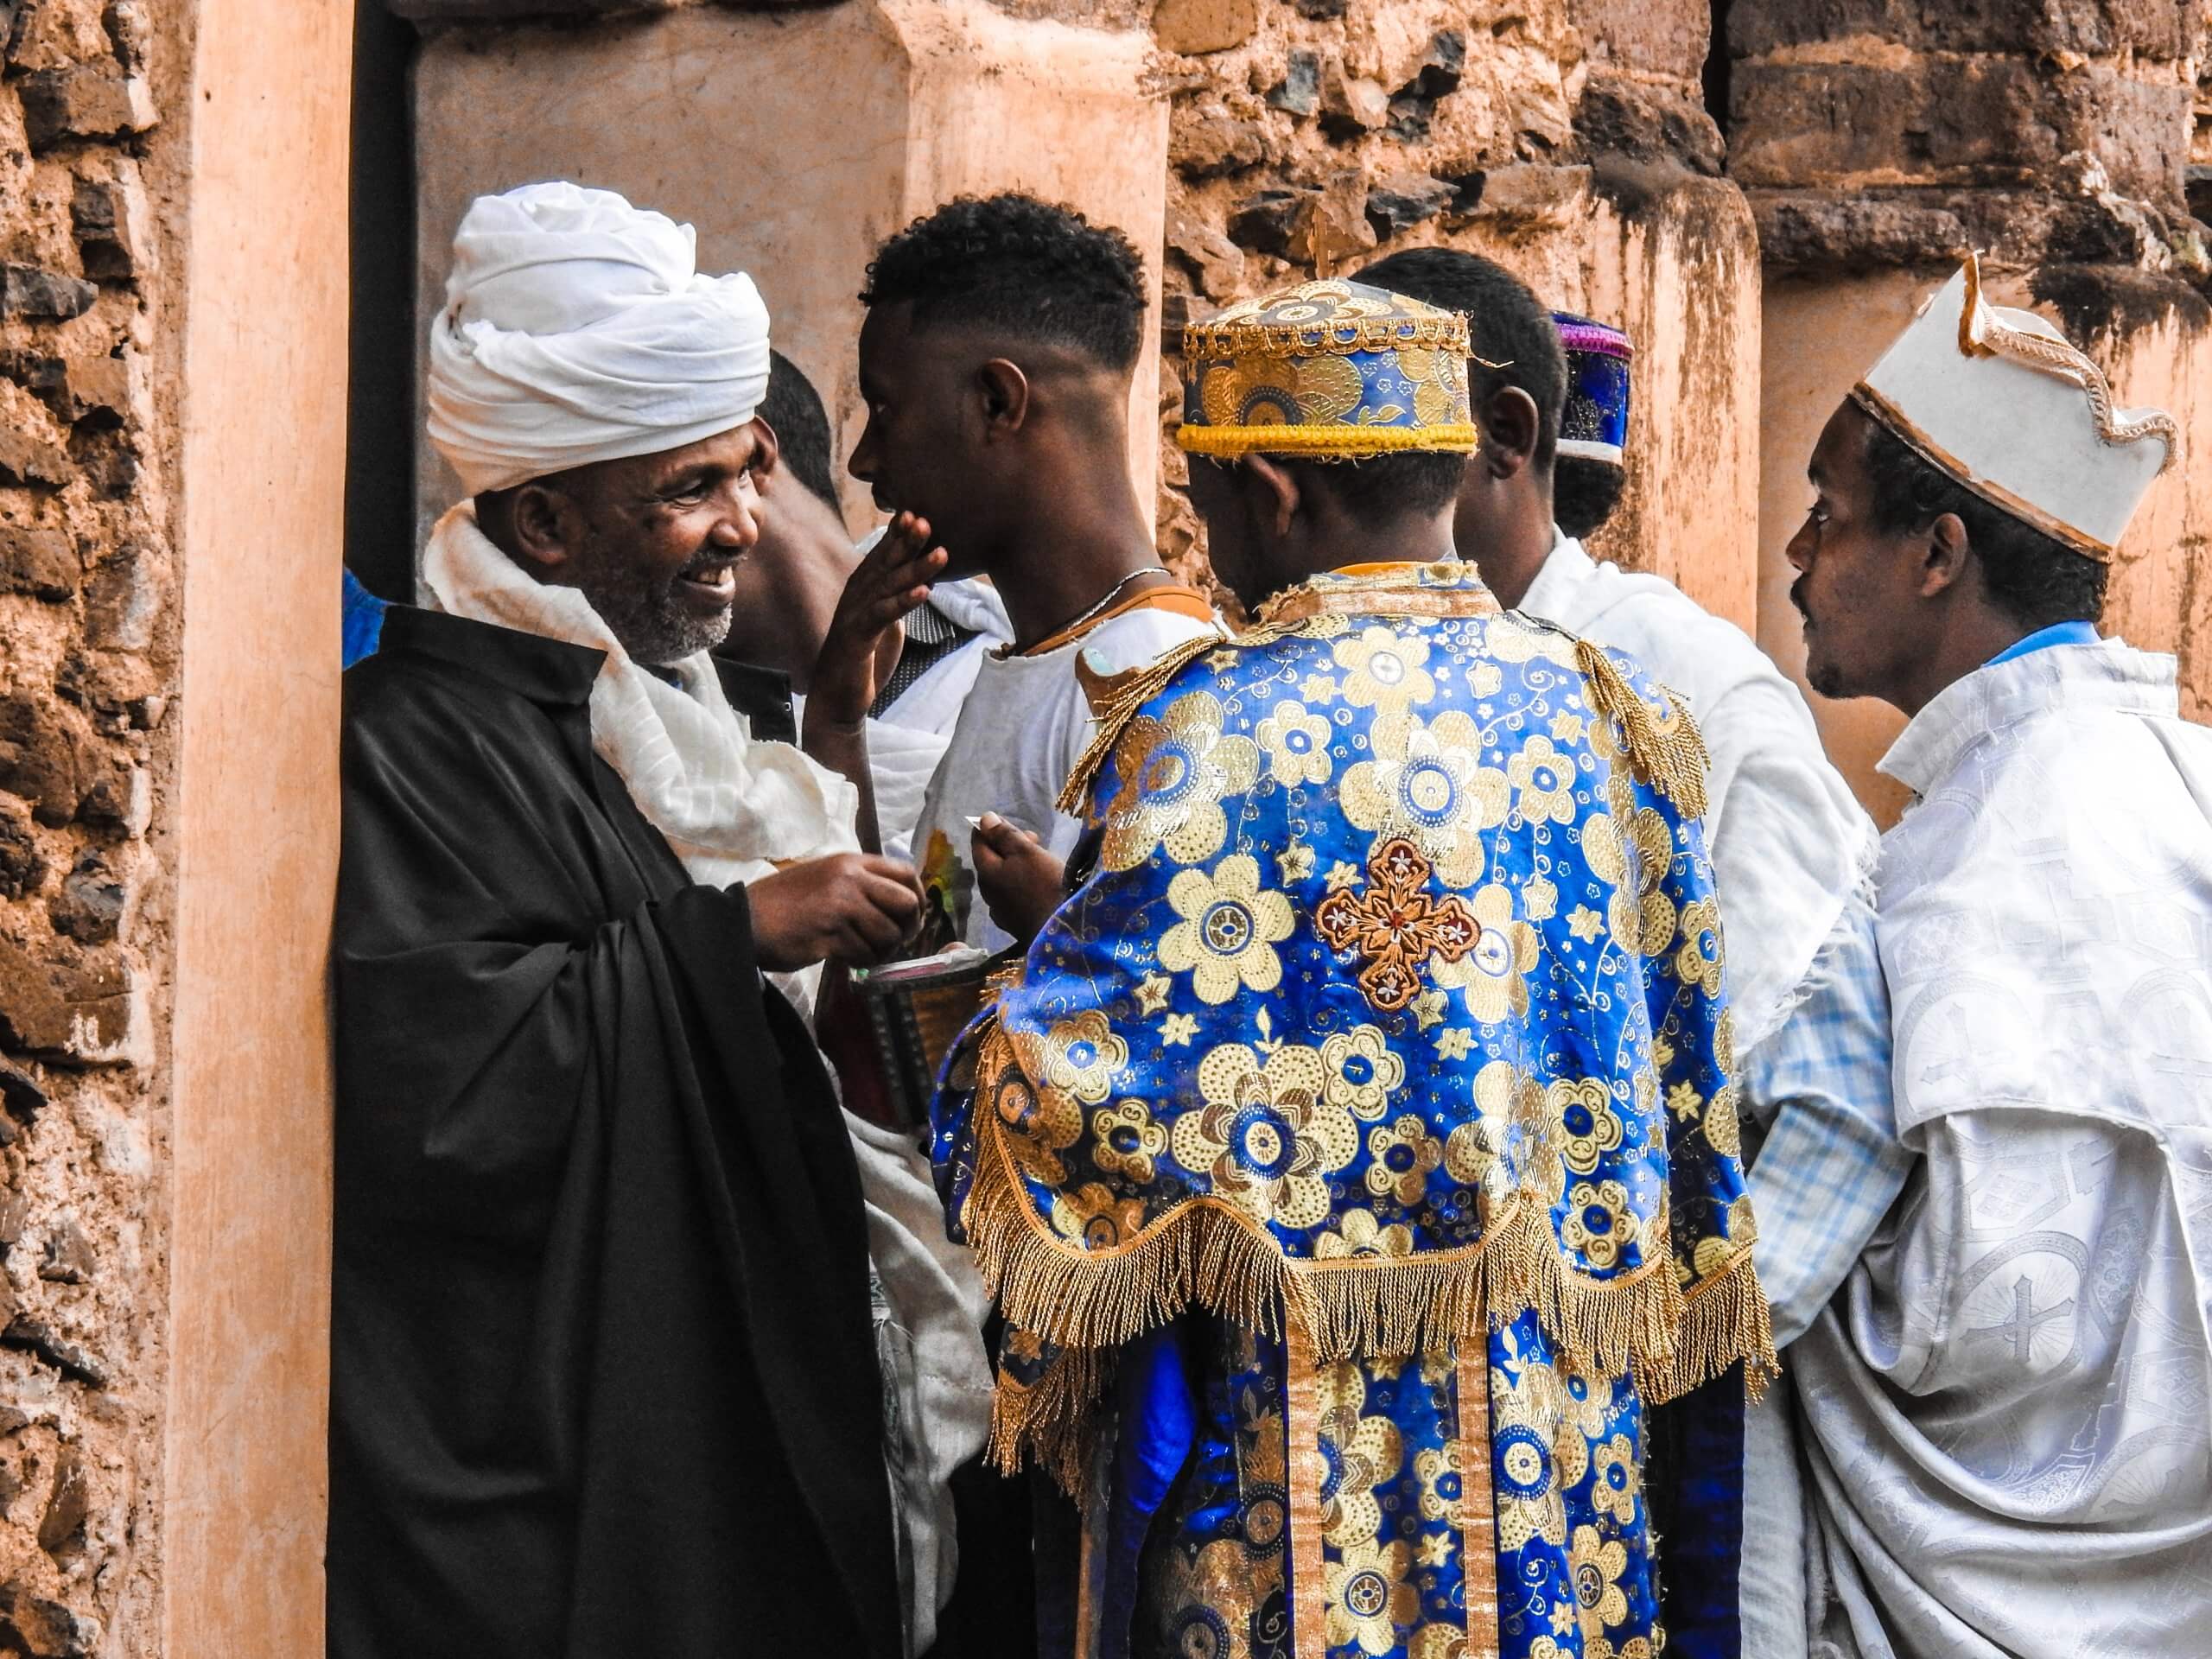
x=1878, y=142
x=88, y=655
x=132, y=1213
x=797, y=142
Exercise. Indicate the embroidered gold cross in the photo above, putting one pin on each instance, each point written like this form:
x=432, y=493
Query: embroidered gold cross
x=1396, y=925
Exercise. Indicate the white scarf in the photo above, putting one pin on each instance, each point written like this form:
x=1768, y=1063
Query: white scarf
x=733, y=808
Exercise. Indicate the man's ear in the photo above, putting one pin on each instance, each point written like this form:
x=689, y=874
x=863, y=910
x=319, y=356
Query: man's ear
x=1003, y=389
x=1512, y=424
x=1271, y=489
x=768, y=452
x=1944, y=550
x=545, y=526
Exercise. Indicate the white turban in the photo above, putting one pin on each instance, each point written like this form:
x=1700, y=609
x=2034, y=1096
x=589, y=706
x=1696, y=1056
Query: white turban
x=577, y=328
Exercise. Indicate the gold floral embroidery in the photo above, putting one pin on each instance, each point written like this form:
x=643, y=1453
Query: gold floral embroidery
x=1474, y=1152
x=1266, y=1135
x=1297, y=744
x=1438, y=1470
x=1439, y=1641
x=1360, y=1234
x=1539, y=899
x=1525, y=1481
x=1698, y=960
x=1094, y=1215
x=1722, y=1132
x=1173, y=773
x=1385, y=669
x=1598, y=1222
x=1127, y=1141
x=1230, y=930
x=1041, y=1121
x=1362, y=1070
x=1081, y=1056
x=1595, y=1566
x=1403, y=1156
x=1543, y=780
x=1369, y=1597
x=1618, y=1481
x=1354, y=1465
x=1426, y=785
x=1588, y=1126
x=1531, y=1147
x=1493, y=977
x=1215, y=1598
x=1586, y=1402
x=1396, y=925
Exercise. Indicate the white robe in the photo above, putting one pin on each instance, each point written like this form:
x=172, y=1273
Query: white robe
x=2008, y=1408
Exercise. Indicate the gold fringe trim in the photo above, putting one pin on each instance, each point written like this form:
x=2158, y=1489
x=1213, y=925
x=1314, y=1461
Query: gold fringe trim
x=1666, y=748
x=1210, y=1253
x=1724, y=1320
x=1051, y=1421
x=1115, y=700
x=1445, y=331
x=1332, y=442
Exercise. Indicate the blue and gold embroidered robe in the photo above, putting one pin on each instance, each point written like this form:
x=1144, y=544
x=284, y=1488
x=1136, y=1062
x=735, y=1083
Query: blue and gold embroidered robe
x=1358, y=1144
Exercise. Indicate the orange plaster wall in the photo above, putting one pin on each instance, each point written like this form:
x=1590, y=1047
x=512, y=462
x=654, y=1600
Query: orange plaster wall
x=264, y=485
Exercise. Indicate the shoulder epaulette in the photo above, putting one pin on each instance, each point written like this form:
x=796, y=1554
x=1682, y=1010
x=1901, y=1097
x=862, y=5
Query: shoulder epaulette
x=1664, y=746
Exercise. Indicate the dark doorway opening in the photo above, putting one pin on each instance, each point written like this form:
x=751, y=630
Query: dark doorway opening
x=380, y=393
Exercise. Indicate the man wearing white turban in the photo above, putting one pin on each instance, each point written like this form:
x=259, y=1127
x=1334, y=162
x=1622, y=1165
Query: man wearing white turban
x=633, y=1346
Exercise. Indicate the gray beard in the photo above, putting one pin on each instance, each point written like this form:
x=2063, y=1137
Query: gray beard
x=651, y=627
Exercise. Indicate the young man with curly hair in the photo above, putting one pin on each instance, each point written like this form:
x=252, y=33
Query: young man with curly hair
x=996, y=359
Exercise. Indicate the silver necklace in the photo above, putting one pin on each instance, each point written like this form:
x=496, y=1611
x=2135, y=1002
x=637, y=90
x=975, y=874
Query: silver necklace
x=1111, y=594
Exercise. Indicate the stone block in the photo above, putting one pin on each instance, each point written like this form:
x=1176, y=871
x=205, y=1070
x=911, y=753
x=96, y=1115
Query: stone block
x=1350, y=105
x=46, y=758
x=1263, y=220
x=38, y=562
x=1618, y=115
x=1299, y=91
x=2158, y=28
x=61, y=1527
x=1331, y=226
x=1969, y=121
x=1321, y=11
x=90, y=905
x=45, y=1628
x=63, y=106
x=23, y=866
x=1209, y=141
x=37, y=294
x=35, y=1335
x=109, y=217
x=1196, y=27
x=1213, y=260
x=1398, y=201
x=68, y=1261
x=125, y=597
x=23, y=1101
x=1654, y=37
x=26, y=460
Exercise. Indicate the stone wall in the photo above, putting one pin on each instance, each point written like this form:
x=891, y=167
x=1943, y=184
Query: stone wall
x=88, y=679
x=113, y=135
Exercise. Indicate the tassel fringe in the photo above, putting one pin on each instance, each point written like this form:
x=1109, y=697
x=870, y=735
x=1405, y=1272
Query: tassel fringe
x=1665, y=747
x=1724, y=1320
x=1051, y=1421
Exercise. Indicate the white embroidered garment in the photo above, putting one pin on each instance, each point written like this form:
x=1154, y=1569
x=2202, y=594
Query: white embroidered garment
x=732, y=808
x=2008, y=1408
x=579, y=328
x=1789, y=841
x=932, y=703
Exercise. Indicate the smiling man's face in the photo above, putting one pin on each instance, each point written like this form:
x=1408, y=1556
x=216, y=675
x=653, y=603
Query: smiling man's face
x=659, y=538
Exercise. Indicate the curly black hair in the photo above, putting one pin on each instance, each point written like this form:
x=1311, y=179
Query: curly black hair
x=1584, y=492
x=1033, y=269
x=1506, y=325
x=793, y=410
x=2034, y=580
x=1416, y=482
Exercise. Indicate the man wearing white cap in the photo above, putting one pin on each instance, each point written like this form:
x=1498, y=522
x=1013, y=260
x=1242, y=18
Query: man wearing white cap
x=612, y=1370
x=2007, y=1433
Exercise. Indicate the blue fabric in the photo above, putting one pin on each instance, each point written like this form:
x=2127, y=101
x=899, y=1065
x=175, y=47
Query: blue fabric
x=1695, y=1486
x=1830, y=1164
x=1158, y=1424
x=363, y=621
x=2058, y=634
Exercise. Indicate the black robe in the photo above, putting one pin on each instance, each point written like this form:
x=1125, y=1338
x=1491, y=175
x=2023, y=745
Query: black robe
x=604, y=1374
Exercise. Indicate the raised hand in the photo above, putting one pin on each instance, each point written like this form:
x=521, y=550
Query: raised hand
x=863, y=645
x=1020, y=881
x=849, y=907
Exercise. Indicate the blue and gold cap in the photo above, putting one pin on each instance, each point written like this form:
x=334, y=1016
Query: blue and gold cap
x=1327, y=371
x=1595, y=425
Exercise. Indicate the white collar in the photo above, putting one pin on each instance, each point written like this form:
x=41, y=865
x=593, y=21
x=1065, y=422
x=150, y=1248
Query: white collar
x=2109, y=676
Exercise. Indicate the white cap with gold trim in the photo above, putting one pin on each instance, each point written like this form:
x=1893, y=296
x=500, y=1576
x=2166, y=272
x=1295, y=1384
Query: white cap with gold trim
x=1997, y=399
